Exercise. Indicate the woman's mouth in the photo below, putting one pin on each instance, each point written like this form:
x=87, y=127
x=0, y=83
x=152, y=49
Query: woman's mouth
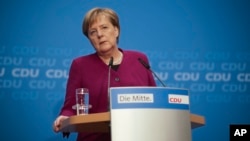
x=102, y=42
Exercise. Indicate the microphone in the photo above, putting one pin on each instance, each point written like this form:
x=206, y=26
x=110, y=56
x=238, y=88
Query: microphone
x=111, y=61
x=146, y=65
x=110, y=65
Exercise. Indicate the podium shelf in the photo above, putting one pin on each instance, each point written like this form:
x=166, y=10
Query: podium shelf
x=100, y=122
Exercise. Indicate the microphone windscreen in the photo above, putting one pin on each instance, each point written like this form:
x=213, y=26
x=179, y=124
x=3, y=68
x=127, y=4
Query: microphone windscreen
x=111, y=61
x=146, y=65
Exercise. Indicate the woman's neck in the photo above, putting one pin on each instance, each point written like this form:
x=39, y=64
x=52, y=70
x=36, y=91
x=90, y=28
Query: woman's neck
x=117, y=57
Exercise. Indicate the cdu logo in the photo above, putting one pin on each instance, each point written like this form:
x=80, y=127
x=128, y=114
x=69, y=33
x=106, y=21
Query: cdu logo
x=239, y=132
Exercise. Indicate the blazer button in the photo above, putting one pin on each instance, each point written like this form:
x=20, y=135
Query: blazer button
x=117, y=79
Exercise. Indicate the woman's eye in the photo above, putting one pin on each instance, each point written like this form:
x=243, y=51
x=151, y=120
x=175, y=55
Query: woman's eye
x=92, y=32
x=104, y=27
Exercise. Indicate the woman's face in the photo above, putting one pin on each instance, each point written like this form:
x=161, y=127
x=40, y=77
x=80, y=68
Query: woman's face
x=103, y=35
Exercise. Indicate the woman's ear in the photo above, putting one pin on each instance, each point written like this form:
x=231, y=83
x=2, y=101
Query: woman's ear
x=117, y=32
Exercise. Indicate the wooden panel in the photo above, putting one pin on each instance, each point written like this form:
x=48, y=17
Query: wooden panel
x=100, y=122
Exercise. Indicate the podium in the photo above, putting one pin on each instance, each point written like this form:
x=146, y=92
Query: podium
x=154, y=113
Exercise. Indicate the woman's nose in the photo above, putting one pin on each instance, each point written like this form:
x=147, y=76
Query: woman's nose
x=99, y=33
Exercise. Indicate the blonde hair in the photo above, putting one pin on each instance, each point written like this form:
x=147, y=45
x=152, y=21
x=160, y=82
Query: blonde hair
x=92, y=15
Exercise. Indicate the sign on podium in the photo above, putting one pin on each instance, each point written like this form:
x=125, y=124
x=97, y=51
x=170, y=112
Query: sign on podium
x=150, y=113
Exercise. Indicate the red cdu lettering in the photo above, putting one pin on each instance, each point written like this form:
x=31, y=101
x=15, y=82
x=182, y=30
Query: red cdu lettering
x=175, y=100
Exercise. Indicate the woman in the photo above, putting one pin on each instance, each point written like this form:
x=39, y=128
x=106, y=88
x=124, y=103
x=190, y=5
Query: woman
x=101, y=26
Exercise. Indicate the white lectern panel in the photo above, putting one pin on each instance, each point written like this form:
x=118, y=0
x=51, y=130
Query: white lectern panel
x=150, y=114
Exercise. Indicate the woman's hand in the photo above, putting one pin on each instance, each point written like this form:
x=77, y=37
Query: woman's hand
x=58, y=122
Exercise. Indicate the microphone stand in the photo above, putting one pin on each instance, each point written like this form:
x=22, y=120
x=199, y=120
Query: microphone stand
x=158, y=78
x=146, y=65
x=110, y=65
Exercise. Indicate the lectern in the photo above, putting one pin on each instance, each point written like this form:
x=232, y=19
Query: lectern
x=141, y=113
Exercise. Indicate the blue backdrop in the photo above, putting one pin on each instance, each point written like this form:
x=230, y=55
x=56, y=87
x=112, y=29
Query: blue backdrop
x=199, y=45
